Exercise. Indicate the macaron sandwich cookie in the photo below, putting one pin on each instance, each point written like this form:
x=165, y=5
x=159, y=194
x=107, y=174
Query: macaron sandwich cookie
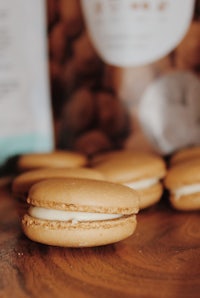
x=75, y=212
x=138, y=170
x=183, y=184
x=56, y=159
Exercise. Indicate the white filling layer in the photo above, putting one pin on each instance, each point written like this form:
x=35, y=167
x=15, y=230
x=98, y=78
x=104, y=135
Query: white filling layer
x=53, y=214
x=186, y=190
x=142, y=183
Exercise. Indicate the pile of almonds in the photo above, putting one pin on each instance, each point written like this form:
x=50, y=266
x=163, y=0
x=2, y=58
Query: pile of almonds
x=89, y=117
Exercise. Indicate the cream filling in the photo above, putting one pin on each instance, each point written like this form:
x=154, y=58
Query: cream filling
x=74, y=217
x=142, y=183
x=186, y=190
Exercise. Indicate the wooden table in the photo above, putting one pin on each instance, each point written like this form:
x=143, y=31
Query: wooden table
x=162, y=259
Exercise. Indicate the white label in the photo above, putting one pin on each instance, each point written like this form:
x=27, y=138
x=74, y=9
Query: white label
x=136, y=32
x=25, y=111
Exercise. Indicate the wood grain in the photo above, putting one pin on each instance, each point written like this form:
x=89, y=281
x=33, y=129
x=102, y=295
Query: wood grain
x=162, y=259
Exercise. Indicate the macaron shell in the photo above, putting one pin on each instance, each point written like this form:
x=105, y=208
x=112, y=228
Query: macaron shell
x=150, y=195
x=132, y=167
x=101, y=157
x=123, y=154
x=22, y=183
x=185, y=155
x=78, y=194
x=82, y=234
x=186, y=203
x=51, y=159
x=182, y=175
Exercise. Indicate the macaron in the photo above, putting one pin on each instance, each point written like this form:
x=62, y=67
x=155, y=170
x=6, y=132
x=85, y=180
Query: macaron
x=22, y=183
x=184, y=155
x=138, y=170
x=55, y=159
x=77, y=212
x=183, y=184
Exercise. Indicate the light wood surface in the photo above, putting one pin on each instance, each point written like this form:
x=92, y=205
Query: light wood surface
x=162, y=259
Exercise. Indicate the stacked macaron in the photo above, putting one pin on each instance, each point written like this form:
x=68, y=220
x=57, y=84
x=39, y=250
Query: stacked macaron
x=62, y=202
x=75, y=212
x=183, y=179
x=140, y=171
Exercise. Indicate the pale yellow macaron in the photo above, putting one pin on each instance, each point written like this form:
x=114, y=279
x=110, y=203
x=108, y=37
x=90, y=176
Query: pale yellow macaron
x=75, y=212
x=183, y=184
x=184, y=155
x=138, y=170
x=57, y=159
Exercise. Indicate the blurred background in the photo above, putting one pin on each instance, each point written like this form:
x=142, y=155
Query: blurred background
x=93, y=101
